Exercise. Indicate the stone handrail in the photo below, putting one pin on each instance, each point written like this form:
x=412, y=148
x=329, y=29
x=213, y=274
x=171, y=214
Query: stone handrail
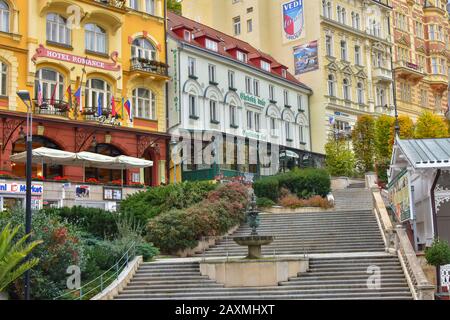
x=397, y=241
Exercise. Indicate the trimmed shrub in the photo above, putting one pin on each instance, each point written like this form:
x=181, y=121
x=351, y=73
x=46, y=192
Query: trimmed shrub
x=292, y=201
x=264, y=202
x=438, y=254
x=267, y=187
x=182, y=229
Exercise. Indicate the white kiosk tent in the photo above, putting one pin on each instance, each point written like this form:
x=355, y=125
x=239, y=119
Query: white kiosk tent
x=419, y=188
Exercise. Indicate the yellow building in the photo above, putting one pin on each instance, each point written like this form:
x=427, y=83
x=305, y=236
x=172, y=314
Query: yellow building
x=339, y=48
x=113, y=51
x=421, y=34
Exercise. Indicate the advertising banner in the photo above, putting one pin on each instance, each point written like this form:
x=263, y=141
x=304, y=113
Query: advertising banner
x=306, y=57
x=400, y=197
x=293, y=20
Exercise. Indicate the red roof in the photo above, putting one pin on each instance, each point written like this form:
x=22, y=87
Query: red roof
x=225, y=44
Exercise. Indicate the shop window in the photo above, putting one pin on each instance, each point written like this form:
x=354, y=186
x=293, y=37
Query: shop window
x=57, y=30
x=95, y=38
x=144, y=49
x=145, y=104
x=105, y=175
x=43, y=170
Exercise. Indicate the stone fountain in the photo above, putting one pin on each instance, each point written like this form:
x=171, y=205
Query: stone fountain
x=254, y=242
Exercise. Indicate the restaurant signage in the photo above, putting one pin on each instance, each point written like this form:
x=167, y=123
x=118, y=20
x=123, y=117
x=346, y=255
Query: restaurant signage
x=42, y=52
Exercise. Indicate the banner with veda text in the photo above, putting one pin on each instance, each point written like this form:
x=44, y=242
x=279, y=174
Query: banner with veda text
x=306, y=57
x=293, y=20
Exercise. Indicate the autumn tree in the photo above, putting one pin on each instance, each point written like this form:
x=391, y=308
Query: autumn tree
x=383, y=148
x=430, y=125
x=340, y=160
x=364, y=143
x=174, y=6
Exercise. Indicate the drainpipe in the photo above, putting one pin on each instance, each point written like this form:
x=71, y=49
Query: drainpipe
x=435, y=228
x=167, y=95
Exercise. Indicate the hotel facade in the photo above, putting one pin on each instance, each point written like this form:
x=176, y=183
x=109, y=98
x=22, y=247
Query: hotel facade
x=341, y=49
x=222, y=86
x=85, y=64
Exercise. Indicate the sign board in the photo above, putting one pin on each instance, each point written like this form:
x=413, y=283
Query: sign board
x=114, y=194
x=42, y=52
x=400, y=196
x=306, y=57
x=20, y=188
x=82, y=191
x=252, y=99
x=293, y=20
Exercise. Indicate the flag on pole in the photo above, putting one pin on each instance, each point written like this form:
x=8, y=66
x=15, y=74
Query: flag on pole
x=99, y=105
x=69, y=95
x=128, y=107
x=113, y=107
x=40, y=97
x=52, y=100
x=77, y=96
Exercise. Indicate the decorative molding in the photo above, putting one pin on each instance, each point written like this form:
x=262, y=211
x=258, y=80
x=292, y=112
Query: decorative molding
x=82, y=137
x=441, y=195
x=144, y=142
x=9, y=127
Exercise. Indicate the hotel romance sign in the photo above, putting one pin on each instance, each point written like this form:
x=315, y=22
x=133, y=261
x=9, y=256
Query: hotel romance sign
x=252, y=99
x=42, y=52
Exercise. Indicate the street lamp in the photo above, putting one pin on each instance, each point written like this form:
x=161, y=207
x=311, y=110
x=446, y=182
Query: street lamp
x=173, y=144
x=24, y=95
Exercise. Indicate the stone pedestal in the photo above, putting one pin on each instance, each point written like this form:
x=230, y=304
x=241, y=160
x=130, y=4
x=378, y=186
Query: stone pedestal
x=254, y=244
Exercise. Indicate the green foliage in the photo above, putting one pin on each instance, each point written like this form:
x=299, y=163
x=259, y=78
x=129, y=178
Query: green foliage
x=12, y=254
x=267, y=187
x=430, y=125
x=364, y=143
x=438, y=254
x=150, y=203
x=174, y=6
x=383, y=133
x=340, y=160
x=182, y=229
x=98, y=222
x=264, y=202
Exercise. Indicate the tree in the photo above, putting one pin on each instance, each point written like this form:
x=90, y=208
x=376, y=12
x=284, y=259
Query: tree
x=383, y=128
x=406, y=129
x=364, y=143
x=174, y=6
x=430, y=125
x=12, y=253
x=340, y=160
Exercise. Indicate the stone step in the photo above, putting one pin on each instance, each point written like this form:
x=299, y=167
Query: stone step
x=302, y=282
x=145, y=277
x=152, y=281
x=168, y=273
x=301, y=241
x=172, y=287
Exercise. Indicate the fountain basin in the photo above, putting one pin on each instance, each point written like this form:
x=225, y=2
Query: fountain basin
x=254, y=243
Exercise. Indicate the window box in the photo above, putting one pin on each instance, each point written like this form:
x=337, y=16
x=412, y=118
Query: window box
x=234, y=126
x=303, y=143
x=193, y=117
x=287, y=106
x=232, y=89
x=213, y=83
x=301, y=110
x=60, y=45
x=273, y=101
x=191, y=76
x=215, y=122
x=289, y=140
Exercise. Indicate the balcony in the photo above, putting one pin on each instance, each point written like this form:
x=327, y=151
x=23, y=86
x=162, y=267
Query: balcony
x=438, y=82
x=57, y=108
x=91, y=114
x=382, y=74
x=117, y=4
x=409, y=71
x=151, y=67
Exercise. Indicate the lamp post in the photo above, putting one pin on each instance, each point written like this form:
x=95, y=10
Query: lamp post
x=173, y=144
x=24, y=95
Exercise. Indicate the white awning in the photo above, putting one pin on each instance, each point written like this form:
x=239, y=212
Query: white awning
x=289, y=154
x=131, y=162
x=94, y=160
x=46, y=155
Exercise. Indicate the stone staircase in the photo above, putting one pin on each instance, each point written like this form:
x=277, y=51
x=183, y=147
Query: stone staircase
x=341, y=245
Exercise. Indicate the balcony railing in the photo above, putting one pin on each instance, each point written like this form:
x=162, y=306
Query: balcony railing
x=53, y=108
x=147, y=65
x=409, y=65
x=119, y=4
x=382, y=73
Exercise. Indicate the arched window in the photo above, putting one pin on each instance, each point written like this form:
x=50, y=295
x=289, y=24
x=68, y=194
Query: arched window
x=44, y=170
x=142, y=48
x=57, y=30
x=331, y=86
x=51, y=85
x=344, y=50
x=98, y=96
x=105, y=175
x=95, y=38
x=360, y=90
x=4, y=16
x=144, y=104
x=343, y=16
x=3, y=78
x=346, y=87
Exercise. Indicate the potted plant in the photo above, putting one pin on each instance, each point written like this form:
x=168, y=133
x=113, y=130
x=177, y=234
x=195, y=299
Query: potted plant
x=92, y=180
x=438, y=255
x=61, y=179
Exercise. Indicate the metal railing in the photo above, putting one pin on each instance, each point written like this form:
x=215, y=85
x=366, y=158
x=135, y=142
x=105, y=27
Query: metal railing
x=148, y=65
x=53, y=108
x=97, y=285
x=119, y=4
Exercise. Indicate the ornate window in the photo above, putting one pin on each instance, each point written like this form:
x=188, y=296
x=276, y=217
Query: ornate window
x=3, y=78
x=51, y=85
x=95, y=38
x=331, y=86
x=5, y=14
x=144, y=104
x=344, y=50
x=57, y=30
x=360, y=91
x=193, y=106
x=213, y=111
x=347, y=89
x=142, y=48
x=233, y=116
x=98, y=96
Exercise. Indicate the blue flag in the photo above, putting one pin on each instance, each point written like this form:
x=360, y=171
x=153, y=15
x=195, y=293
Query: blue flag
x=99, y=105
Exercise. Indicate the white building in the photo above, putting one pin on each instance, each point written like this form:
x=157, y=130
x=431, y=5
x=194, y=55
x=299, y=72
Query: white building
x=224, y=85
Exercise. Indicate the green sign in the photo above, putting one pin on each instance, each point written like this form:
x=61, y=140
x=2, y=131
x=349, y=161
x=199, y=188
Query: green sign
x=252, y=99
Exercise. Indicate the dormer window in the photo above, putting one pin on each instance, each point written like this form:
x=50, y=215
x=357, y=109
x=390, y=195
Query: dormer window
x=187, y=35
x=284, y=73
x=241, y=56
x=265, y=65
x=211, y=45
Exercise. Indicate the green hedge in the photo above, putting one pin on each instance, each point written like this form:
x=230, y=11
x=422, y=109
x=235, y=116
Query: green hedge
x=304, y=183
x=177, y=229
x=152, y=202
